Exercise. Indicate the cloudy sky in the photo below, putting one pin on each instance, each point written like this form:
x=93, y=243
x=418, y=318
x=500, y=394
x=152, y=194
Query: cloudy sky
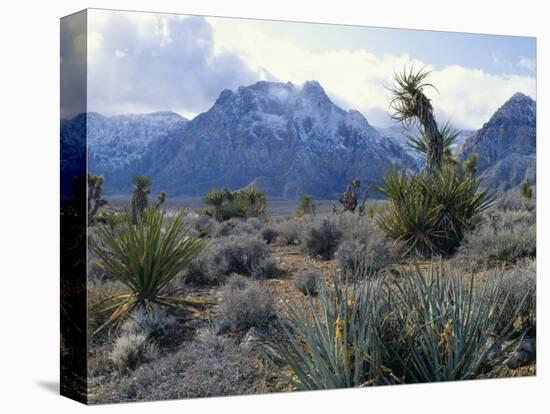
x=142, y=62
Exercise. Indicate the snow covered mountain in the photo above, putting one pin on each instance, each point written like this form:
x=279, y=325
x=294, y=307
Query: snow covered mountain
x=286, y=139
x=122, y=146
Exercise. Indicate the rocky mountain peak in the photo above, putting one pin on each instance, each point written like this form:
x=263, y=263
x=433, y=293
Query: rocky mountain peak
x=519, y=109
x=506, y=144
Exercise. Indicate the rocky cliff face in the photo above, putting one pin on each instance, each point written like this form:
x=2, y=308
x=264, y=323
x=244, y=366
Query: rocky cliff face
x=506, y=145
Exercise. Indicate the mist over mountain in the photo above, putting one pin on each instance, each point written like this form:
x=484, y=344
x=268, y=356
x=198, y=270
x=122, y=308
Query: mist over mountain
x=286, y=139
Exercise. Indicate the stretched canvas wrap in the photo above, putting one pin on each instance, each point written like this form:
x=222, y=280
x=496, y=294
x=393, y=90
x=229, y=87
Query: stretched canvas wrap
x=255, y=206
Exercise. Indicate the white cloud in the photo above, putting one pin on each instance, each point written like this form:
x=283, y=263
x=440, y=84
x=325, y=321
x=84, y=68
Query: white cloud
x=357, y=79
x=527, y=63
x=142, y=62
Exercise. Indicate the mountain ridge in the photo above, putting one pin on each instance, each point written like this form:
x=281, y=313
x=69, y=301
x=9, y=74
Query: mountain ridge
x=287, y=139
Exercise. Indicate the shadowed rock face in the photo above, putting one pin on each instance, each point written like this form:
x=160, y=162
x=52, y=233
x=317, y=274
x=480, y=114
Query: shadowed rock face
x=506, y=145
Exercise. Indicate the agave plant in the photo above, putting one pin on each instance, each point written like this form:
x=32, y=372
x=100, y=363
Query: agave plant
x=449, y=328
x=334, y=342
x=145, y=258
x=430, y=214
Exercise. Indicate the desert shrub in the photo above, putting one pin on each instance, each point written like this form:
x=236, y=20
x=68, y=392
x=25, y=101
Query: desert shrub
x=269, y=234
x=506, y=237
x=430, y=214
x=209, y=366
x=144, y=258
x=200, y=272
x=154, y=324
x=448, y=329
x=131, y=350
x=245, y=254
x=288, y=232
x=237, y=227
x=514, y=200
x=520, y=290
x=307, y=282
x=356, y=226
x=245, y=304
x=267, y=268
x=321, y=238
x=203, y=225
x=351, y=256
x=334, y=342
x=238, y=254
x=367, y=254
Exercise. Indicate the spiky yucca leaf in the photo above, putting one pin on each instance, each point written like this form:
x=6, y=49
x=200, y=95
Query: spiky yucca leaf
x=411, y=105
x=145, y=258
x=335, y=341
x=431, y=214
x=449, y=328
x=421, y=144
x=142, y=183
x=409, y=101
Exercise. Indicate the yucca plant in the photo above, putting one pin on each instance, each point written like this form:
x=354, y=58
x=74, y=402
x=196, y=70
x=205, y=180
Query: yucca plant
x=335, y=341
x=448, y=327
x=145, y=258
x=411, y=105
x=252, y=201
x=430, y=214
x=422, y=144
x=215, y=198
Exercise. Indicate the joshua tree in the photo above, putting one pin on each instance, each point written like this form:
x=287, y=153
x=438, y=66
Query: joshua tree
x=252, y=201
x=142, y=188
x=95, y=202
x=215, y=198
x=161, y=198
x=350, y=197
x=411, y=105
x=306, y=206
